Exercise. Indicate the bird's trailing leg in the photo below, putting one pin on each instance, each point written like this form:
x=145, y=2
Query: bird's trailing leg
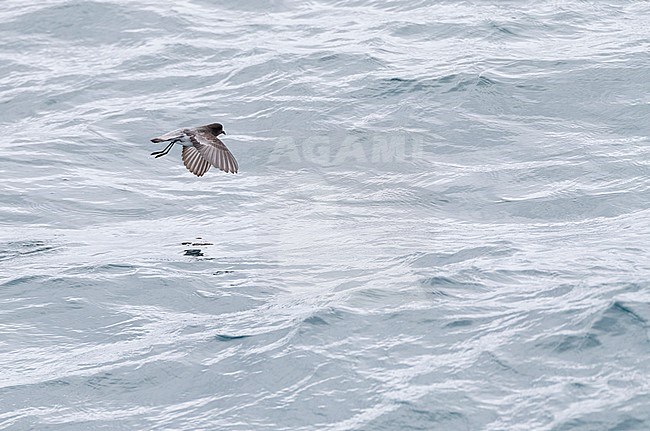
x=163, y=152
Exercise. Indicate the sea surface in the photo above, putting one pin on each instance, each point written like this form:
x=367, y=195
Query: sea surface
x=441, y=219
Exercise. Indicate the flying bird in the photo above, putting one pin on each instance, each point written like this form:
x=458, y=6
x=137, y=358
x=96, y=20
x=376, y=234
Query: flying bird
x=202, y=148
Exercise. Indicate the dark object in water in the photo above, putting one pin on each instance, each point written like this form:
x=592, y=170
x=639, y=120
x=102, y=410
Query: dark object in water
x=223, y=337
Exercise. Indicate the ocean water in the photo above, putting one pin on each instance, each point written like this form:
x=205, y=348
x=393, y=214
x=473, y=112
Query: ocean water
x=441, y=219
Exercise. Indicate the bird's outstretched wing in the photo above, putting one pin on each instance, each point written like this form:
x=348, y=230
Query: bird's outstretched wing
x=194, y=161
x=214, y=151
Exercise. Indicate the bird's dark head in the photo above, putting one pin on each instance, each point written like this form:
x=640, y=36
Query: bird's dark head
x=216, y=129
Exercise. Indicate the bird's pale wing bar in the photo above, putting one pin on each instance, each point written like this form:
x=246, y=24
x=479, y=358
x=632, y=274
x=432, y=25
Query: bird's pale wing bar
x=174, y=134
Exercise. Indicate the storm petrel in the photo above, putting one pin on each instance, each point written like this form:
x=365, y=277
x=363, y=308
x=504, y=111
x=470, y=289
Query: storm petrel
x=201, y=149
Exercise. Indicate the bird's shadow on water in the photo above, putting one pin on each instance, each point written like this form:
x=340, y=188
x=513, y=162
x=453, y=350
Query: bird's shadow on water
x=195, y=252
x=198, y=250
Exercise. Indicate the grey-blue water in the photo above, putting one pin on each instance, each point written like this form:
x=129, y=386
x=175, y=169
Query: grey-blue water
x=441, y=219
